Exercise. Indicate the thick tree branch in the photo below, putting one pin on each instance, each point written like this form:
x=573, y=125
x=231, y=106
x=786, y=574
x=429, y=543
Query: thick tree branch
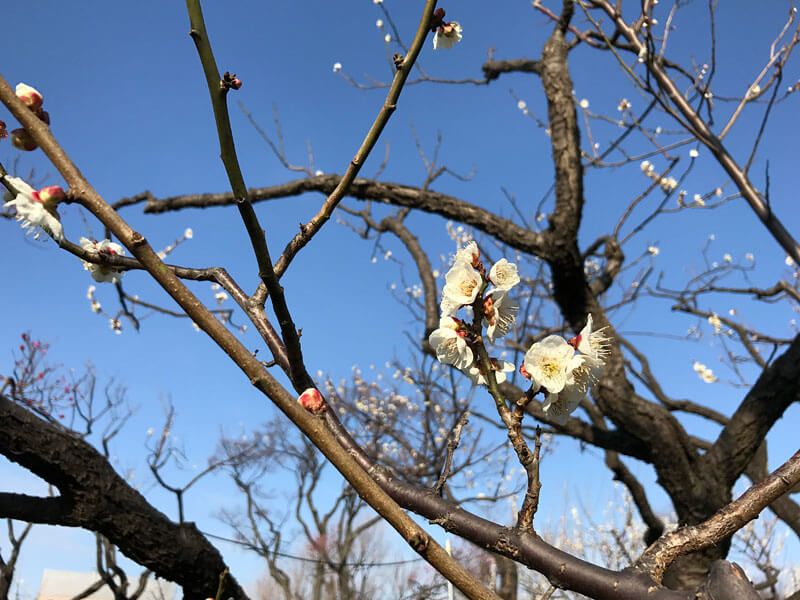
x=723, y=524
x=786, y=509
x=493, y=68
x=389, y=193
x=776, y=388
x=95, y=497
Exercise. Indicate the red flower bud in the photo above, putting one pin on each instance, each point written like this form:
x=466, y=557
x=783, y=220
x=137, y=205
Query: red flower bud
x=51, y=195
x=312, y=401
x=30, y=96
x=231, y=81
x=3, y=132
x=22, y=140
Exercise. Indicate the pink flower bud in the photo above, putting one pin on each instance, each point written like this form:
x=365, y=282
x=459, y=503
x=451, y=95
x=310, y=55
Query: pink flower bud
x=3, y=132
x=231, y=81
x=524, y=372
x=312, y=401
x=31, y=97
x=22, y=140
x=51, y=195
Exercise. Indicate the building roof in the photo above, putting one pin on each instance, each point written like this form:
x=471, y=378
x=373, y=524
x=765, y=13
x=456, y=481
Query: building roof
x=64, y=585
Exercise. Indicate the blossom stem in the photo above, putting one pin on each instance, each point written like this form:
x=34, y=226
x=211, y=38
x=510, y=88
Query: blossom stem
x=513, y=422
x=298, y=374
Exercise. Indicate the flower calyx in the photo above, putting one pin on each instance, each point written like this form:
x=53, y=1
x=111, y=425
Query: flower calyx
x=229, y=81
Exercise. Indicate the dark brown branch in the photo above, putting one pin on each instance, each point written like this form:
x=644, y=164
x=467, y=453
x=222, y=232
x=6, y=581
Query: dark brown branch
x=95, y=497
x=452, y=444
x=218, y=91
x=723, y=524
x=493, y=68
x=786, y=509
x=389, y=193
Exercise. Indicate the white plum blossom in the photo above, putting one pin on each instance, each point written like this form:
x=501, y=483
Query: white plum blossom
x=468, y=254
x=188, y=234
x=447, y=35
x=585, y=372
x=500, y=312
x=102, y=273
x=337, y=66
x=592, y=343
x=503, y=275
x=31, y=210
x=715, y=322
x=548, y=362
x=462, y=284
x=704, y=372
x=653, y=250
x=559, y=406
x=450, y=347
x=500, y=368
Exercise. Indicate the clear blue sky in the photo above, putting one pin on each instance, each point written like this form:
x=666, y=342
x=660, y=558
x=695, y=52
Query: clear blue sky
x=127, y=98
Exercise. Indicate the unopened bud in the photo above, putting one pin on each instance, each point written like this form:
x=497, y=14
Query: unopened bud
x=51, y=196
x=30, y=96
x=43, y=116
x=231, y=81
x=3, y=132
x=23, y=140
x=312, y=401
x=524, y=372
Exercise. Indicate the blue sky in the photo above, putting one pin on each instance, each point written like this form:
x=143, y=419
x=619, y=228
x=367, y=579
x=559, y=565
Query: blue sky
x=127, y=98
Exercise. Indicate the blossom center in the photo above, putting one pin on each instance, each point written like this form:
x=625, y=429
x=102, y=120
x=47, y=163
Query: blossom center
x=467, y=286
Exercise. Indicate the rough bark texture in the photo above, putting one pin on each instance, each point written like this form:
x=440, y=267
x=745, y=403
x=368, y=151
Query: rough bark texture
x=94, y=497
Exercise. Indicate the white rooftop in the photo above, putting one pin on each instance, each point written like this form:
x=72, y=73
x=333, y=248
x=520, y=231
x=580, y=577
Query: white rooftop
x=64, y=585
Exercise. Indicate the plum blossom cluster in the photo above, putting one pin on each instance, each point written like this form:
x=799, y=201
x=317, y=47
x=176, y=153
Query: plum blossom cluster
x=465, y=283
x=704, y=372
x=565, y=377
x=563, y=370
x=667, y=184
x=35, y=210
x=448, y=33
